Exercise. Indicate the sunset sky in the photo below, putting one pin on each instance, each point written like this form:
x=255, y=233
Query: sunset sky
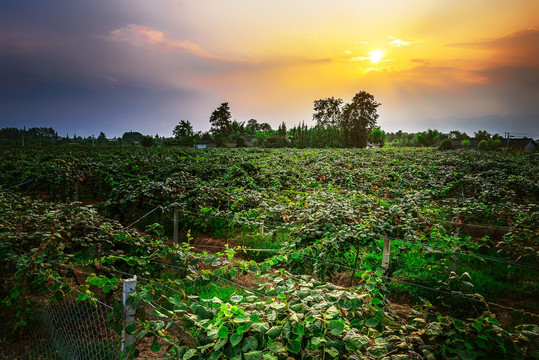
x=119, y=65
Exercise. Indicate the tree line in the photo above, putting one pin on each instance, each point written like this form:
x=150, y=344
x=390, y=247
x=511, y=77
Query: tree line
x=337, y=125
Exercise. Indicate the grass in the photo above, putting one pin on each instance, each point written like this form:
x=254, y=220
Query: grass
x=207, y=291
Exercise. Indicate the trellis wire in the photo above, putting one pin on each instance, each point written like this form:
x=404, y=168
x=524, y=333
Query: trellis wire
x=67, y=329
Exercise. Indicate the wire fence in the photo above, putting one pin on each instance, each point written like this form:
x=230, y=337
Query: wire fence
x=65, y=329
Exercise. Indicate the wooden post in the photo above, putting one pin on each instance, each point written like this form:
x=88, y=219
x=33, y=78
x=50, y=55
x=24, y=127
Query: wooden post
x=386, y=253
x=355, y=266
x=77, y=191
x=175, y=239
x=457, y=225
x=129, y=313
x=262, y=228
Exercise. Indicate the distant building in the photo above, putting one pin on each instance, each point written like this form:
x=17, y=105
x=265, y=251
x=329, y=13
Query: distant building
x=522, y=144
x=205, y=144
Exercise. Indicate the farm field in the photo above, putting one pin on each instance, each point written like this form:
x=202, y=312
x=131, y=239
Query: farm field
x=280, y=252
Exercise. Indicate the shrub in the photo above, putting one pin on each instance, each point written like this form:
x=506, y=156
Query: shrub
x=493, y=144
x=147, y=141
x=482, y=145
x=446, y=144
x=465, y=143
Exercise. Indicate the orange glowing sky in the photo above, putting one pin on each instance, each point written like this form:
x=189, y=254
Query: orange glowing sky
x=430, y=63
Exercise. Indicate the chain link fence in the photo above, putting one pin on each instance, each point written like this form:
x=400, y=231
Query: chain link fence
x=66, y=329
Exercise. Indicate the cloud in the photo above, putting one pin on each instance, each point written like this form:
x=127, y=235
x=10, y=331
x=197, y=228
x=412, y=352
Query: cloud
x=518, y=48
x=400, y=42
x=138, y=35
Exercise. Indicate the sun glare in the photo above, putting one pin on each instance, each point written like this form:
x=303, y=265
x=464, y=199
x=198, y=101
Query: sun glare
x=376, y=56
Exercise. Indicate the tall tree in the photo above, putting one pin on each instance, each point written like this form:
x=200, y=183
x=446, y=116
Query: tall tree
x=220, y=123
x=183, y=129
x=327, y=112
x=358, y=117
x=252, y=126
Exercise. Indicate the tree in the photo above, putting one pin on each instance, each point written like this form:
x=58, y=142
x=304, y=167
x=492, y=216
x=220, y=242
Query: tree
x=357, y=118
x=102, y=138
x=377, y=136
x=327, y=112
x=252, y=127
x=265, y=127
x=465, y=143
x=458, y=135
x=446, y=144
x=147, y=141
x=428, y=138
x=220, y=124
x=183, y=129
x=482, y=135
x=131, y=137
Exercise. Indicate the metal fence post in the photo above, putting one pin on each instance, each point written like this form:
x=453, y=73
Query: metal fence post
x=76, y=191
x=262, y=228
x=129, y=312
x=385, y=255
x=175, y=239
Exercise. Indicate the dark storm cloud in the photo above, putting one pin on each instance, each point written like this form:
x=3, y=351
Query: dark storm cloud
x=57, y=70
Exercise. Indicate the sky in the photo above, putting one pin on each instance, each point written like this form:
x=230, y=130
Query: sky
x=83, y=67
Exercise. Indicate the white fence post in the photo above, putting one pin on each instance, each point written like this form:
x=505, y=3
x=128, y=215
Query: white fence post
x=386, y=253
x=262, y=228
x=175, y=239
x=129, y=313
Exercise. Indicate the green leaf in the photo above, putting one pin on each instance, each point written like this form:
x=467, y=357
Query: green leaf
x=220, y=343
x=253, y=355
x=14, y=294
x=155, y=347
x=356, y=342
x=274, y=331
x=376, y=301
x=459, y=325
x=334, y=353
x=142, y=333
x=434, y=329
x=107, y=288
x=82, y=297
x=260, y=327
x=372, y=322
x=251, y=343
x=336, y=327
x=277, y=305
x=294, y=346
x=236, y=299
x=235, y=339
x=317, y=341
x=277, y=347
x=131, y=328
x=377, y=351
x=223, y=332
x=299, y=330
x=255, y=318
x=189, y=354
x=477, y=326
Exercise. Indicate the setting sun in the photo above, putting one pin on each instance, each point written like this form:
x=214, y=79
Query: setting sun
x=376, y=56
